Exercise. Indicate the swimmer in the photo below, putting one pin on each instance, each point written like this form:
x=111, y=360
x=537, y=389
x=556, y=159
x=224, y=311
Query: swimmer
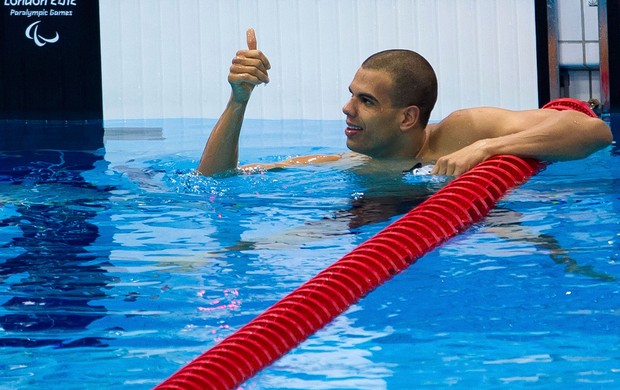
x=392, y=96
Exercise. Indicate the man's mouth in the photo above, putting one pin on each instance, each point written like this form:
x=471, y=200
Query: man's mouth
x=352, y=129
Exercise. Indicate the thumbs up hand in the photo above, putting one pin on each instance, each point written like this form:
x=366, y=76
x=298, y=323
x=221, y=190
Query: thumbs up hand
x=249, y=69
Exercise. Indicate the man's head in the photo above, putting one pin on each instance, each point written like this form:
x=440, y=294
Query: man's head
x=392, y=95
x=413, y=79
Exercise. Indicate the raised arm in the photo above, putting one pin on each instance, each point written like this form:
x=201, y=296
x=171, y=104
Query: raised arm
x=471, y=136
x=249, y=69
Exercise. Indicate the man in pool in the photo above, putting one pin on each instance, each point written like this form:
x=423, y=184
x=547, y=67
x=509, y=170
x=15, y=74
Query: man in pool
x=392, y=95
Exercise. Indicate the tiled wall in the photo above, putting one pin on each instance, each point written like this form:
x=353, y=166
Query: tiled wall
x=578, y=51
x=170, y=58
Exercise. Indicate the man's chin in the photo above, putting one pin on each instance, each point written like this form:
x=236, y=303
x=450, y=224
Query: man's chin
x=351, y=146
x=356, y=149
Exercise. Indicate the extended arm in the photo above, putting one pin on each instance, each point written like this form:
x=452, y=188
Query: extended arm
x=474, y=135
x=249, y=69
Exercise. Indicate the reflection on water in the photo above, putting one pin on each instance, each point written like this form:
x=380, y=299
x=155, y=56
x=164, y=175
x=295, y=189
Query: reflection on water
x=50, y=279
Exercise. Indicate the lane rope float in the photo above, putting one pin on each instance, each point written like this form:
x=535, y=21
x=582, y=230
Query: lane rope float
x=463, y=202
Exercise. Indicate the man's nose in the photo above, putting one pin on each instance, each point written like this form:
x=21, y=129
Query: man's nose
x=347, y=109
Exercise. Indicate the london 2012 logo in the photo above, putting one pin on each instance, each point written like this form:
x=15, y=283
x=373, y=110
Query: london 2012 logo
x=32, y=32
x=38, y=15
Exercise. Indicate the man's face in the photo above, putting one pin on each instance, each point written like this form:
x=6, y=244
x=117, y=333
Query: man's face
x=373, y=125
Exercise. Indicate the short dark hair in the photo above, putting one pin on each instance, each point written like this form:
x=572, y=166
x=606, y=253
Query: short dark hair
x=415, y=82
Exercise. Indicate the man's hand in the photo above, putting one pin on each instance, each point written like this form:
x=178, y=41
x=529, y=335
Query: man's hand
x=249, y=69
x=462, y=160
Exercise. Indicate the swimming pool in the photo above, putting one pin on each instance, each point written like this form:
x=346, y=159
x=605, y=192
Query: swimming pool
x=118, y=267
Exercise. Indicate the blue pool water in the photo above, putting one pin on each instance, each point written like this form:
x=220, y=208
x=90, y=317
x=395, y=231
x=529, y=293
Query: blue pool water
x=119, y=267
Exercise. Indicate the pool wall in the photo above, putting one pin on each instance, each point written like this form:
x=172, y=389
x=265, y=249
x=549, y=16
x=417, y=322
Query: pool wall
x=169, y=59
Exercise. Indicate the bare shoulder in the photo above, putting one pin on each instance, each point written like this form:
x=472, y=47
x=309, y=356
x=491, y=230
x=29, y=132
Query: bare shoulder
x=490, y=118
x=466, y=126
x=489, y=122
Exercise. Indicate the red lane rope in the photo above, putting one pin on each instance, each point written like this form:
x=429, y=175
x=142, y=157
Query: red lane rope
x=464, y=201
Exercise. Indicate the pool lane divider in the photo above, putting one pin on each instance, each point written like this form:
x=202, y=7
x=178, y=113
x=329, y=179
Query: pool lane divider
x=451, y=210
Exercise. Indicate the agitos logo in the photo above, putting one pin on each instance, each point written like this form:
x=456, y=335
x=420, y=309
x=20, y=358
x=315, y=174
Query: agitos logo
x=32, y=32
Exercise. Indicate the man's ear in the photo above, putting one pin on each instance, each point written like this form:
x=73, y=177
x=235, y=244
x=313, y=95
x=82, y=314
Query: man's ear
x=410, y=117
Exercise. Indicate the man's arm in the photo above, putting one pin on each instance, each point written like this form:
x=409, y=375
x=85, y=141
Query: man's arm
x=468, y=137
x=302, y=160
x=249, y=69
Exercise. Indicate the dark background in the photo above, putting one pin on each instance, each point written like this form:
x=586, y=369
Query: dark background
x=58, y=81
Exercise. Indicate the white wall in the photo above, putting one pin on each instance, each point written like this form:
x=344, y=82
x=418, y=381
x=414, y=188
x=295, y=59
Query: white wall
x=170, y=58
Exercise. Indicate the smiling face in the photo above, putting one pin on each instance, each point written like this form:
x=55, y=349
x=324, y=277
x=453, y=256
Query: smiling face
x=373, y=124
